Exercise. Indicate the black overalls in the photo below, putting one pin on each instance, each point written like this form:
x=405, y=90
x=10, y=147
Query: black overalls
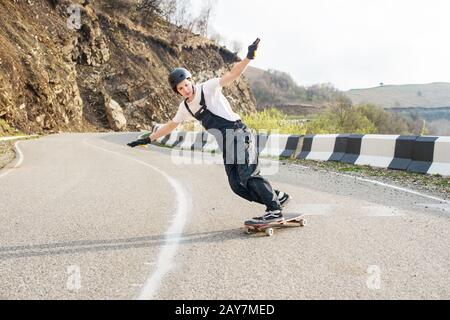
x=240, y=156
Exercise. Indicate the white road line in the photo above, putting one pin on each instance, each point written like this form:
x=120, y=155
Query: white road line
x=172, y=241
x=173, y=235
x=397, y=188
x=18, y=163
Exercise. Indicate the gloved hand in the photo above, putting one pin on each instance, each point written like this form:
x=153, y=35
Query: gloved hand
x=139, y=142
x=252, y=49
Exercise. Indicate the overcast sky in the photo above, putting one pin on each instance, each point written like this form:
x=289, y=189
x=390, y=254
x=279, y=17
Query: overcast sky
x=349, y=43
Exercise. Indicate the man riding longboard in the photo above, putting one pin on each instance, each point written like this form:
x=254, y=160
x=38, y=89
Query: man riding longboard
x=206, y=103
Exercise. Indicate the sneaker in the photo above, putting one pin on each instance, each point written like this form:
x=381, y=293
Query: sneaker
x=268, y=217
x=284, y=198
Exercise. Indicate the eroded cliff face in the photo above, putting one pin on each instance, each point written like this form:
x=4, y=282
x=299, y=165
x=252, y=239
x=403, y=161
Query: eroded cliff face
x=56, y=78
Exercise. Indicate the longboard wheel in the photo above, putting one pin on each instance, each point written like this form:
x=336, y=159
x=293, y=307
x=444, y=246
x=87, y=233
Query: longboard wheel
x=249, y=230
x=303, y=222
x=269, y=232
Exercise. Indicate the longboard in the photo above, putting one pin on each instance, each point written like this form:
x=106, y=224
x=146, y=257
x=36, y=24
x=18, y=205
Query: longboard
x=290, y=220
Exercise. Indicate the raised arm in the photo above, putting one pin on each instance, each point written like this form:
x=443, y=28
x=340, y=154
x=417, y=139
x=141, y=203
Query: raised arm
x=239, y=68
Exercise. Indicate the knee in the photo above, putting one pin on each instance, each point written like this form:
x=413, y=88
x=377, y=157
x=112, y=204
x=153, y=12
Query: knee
x=235, y=185
x=252, y=180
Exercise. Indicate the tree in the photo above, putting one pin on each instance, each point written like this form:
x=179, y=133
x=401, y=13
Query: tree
x=168, y=9
x=342, y=109
x=202, y=21
x=385, y=122
x=150, y=7
x=181, y=15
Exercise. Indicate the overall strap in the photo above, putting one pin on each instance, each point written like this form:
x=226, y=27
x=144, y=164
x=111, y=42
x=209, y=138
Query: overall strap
x=202, y=103
x=188, y=109
x=202, y=100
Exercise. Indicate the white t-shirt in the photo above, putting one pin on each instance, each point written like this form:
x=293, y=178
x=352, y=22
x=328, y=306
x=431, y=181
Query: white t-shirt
x=215, y=102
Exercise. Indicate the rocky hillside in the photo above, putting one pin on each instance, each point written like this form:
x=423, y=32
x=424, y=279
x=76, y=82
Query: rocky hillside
x=56, y=78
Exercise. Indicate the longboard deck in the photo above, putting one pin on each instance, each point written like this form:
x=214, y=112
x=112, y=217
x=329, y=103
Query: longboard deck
x=290, y=220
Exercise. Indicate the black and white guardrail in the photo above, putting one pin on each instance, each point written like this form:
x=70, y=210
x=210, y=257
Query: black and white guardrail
x=413, y=153
x=422, y=154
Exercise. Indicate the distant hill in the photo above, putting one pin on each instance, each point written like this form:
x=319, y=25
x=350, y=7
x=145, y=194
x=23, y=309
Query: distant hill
x=433, y=95
x=253, y=73
x=430, y=102
x=414, y=102
x=273, y=88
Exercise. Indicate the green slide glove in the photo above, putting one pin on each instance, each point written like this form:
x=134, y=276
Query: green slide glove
x=139, y=142
x=252, y=49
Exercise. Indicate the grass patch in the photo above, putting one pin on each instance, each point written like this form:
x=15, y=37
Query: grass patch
x=272, y=121
x=7, y=153
x=6, y=130
x=353, y=169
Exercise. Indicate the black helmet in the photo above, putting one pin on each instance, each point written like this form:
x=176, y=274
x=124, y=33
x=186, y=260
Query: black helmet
x=178, y=75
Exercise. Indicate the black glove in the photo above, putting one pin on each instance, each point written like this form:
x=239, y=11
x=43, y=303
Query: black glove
x=139, y=142
x=252, y=49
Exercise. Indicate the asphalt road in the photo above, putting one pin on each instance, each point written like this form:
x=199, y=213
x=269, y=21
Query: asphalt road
x=85, y=217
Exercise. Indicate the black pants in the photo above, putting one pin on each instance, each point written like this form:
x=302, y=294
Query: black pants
x=240, y=156
x=242, y=168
